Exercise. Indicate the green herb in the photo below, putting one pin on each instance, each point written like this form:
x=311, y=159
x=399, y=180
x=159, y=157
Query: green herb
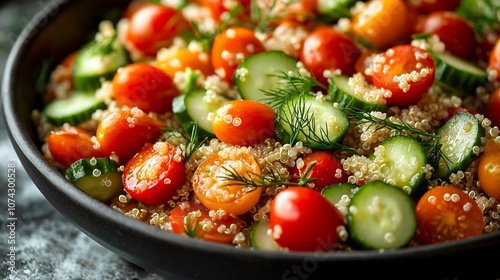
x=103, y=46
x=194, y=142
x=264, y=16
x=191, y=225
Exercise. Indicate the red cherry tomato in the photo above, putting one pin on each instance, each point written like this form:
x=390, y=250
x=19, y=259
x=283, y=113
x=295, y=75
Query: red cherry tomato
x=301, y=219
x=429, y=6
x=230, y=47
x=69, y=144
x=454, y=31
x=364, y=62
x=327, y=170
x=446, y=213
x=154, y=174
x=455, y=110
x=219, y=7
x=244, y=122
x=492, y=111
x=153, y=27
x=124, y=133
x=328, y=49
x=405, y=70
x=144, y=86
x=134, y=6
x=494, y=59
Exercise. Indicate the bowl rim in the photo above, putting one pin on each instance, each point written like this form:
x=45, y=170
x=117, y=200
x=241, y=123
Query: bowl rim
x=26, y=148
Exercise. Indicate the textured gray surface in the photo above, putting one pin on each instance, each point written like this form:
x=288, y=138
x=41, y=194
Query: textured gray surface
x=47, y=245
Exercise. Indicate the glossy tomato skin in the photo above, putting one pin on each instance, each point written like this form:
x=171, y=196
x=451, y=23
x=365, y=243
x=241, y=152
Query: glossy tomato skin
x=454, y=31
x=429, y=6
x=327, y=170
x=492, y=111
x=153, y=27
x=446, y=213
x=489, y=170
x=494, y=59
x=407, y=71
x=178, y=215
x=327, y=49
x=301, y=219
x=219, y=7
x=145, y=87
x=69, y=144
x=244, y=122
x=178, y=60
x=154, y=174
x=123, y=133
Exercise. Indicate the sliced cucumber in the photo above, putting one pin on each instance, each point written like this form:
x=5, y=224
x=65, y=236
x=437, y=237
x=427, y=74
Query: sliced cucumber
x=257, y=74
x=74, y=109
x=97, y=61
x=335, y=9
x=260, y=238
x=381, y=216
x=459, y=74
x=458, y=137
x=404, y=159
x=335, y=192
x=340, y=92
x=98, y=177
x=313, y=121
x=195, y=106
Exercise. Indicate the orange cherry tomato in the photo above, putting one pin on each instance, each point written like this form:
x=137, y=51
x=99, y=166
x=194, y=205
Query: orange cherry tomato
x=382, y=22
x=173, y=61
x=231, y=196
x=230, y=47
x=494, y=59
x=68, y=144
x=154, y=174
x=283, y=10
x=123, y=133
x=492, y=111
x=405, y=70
x=244, y=122
x=489, y=170
x=446, y=213
x=194, y=218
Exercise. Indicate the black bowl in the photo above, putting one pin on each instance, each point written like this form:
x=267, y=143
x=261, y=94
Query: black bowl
x=65, y=25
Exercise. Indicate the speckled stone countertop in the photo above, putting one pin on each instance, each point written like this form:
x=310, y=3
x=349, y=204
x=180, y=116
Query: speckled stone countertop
x=47, y=245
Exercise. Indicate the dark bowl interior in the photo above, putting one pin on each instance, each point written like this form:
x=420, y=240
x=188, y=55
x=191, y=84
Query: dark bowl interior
x=62, y=27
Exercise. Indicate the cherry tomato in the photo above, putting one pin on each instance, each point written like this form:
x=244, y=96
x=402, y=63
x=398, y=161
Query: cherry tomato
x=123, y=133
x=327, y=170
x=68, y=144
x=153, y=27
x=177, y=60
x=154, y=174
x=455, y=110
x=494, y=59
x=381, y=22
x=489, y=172
x=364, y=62
x=244, y=122
x=283, y=10
x=429, y=6
x=135, y=6
x=446, y=213
x=240, y=10
x=454, y=31
x=405, y=70
x=202, y=224
x=231, y=196
x=328, y=49
x=301, y=219
x=230, y=47
x=145, y=87
x=492, y=111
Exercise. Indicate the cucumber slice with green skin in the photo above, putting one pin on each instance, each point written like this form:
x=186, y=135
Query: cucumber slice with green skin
x=340, y=92
x=75, y=109
x=98, y=177
x=459, y=74
x=256, y=74
x=260, y=239
x=313, y=121
x=381, y=216
x=405, y=160
x=193, y=107
x=458, y=136
x=335, y=192
x=335, y=9
x=97, y=61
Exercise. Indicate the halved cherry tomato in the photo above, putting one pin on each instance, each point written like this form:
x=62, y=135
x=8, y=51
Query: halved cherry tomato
x=327, y=49
x=453, y=30
x=446, y=213
x=492, y=111
x=429, y=6
x=489, y=170
x=405, y=70
x=231, y=196
x=244, y=122
x=364, y=62
x=68, y=144
x=154, y=174
x=153, y=27
x=203, y=225
x=173, y=61
x=240, y=9
x=327, y=169
x=145, y=87
x=123, y=133
x=381, y=22
x=230, y=47
x=494, y=60
x=301, y=219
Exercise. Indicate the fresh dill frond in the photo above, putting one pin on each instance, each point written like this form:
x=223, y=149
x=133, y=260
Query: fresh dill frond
x=263, y=13
x=191, y=225
x=194, y=142
x=105, y=45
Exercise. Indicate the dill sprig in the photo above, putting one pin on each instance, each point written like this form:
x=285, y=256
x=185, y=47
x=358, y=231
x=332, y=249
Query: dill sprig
x=273, y=11
x=103, y=46
x=193, y=141
x=191, y=225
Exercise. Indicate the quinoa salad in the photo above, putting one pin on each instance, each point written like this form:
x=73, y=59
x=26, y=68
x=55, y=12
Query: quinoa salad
x=303, y=125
